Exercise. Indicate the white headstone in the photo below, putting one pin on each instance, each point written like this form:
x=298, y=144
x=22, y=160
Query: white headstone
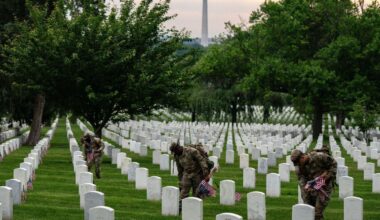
x=341, y=171
x=340, y=161
x=6, y=201
x=346, y=186
x=216, y=151
x=249, y=177
x=192, y=208
x=1, y=208
x=284, y=171
x=170, y=201
x=369, y=170
x=228, y=216
x=272, y=160
x=28, y=167
x=256, y=206
x=132, y=171
x=85, y=177
x=227, y=192
x=22, y=175
x=91, y=200
x=230, y=156
x=353, y=208
x=362, y=160
x=303, y=212
x=164, y=162
x=244, y=161
x=16, y=187
x=156, y=157
x=141, y=178
x=115, y=151
x=255, y=153
x=83, y=189
x=273, y=185
x=143, y=150
x=119, y=158
x=125, y=165
x=101, y=213
x=376, y=183
x=262, y=167
x=80, y=169
x=153, y=191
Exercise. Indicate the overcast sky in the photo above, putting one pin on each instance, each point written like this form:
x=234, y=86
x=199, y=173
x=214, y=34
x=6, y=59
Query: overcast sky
x=189, y=14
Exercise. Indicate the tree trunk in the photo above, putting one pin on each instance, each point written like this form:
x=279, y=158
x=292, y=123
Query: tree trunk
x=35, y=130
x=340, y=117
x=193, y=115
x=317, y=121
x=98, y=132
x=234, y=112
x=266, y=114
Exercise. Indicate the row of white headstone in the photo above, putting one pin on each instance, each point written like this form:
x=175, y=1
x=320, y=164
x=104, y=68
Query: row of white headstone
x=273, y=183
x=362, y=164
x=16, y=188
x=11, y=145
x=91, y=200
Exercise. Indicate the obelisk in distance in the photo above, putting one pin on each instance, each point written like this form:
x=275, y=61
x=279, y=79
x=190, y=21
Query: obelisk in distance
x=204, y=39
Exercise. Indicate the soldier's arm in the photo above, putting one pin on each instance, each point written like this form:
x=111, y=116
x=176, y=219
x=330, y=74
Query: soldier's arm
x=202, y=162
x=179, y=169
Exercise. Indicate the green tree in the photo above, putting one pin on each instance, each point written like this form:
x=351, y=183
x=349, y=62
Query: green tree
x=295, y=31
x=365, y=116
x=222, y=68
x=32, y=59
x=120, y=64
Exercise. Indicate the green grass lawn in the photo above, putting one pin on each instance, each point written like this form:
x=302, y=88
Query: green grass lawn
x=55, y=195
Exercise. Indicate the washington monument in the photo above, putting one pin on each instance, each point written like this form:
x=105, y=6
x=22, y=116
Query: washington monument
x=204, y=39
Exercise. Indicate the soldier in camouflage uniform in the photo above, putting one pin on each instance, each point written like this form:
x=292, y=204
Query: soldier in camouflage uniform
x=87, y=142
x=310, y=167
x=192, y=168
x=98, y=147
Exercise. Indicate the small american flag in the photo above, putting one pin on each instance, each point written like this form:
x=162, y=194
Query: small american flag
x=29, y=185
x=205, y=189
x=319, y=183
x=237, y=196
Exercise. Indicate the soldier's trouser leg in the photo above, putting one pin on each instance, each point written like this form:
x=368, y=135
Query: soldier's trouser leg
x=98, y=161
x=184, y=190
x=321, y=203
x=195, y=181
x=185, y=187
x=320, y=207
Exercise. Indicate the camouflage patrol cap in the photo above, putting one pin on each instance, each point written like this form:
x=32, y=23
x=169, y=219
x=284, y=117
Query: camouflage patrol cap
x=296, y=155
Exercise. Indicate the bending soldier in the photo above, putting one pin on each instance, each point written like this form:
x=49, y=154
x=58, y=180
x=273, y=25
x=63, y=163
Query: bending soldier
x=87, y=143
x=98, y=147
x=192, y=168
x=316, y=177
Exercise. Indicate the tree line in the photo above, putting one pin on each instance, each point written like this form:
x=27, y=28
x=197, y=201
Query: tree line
x=321, y=56
x=59, y=56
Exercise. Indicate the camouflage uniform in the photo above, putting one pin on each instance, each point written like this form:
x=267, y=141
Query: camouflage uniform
x=318, y=163
x=192, y=169
x=98, y=147
x=87, y=142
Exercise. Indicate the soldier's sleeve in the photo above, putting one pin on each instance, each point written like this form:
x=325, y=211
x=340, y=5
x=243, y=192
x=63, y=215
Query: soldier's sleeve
x=202, y=162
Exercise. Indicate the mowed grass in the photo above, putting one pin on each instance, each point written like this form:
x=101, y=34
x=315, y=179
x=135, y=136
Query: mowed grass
x=57, y=195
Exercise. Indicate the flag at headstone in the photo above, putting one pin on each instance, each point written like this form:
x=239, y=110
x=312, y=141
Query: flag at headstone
x=237, y=196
